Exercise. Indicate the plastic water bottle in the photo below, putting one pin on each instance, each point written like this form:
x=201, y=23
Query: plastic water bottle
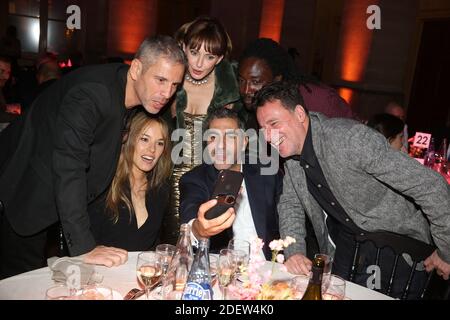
x=198, y=286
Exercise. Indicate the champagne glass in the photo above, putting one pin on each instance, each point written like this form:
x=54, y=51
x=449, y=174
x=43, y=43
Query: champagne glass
x=166, y=251
x=240, y=245
x=213, y=267
x=226, y=269
x=238, y=260
x=149, y=270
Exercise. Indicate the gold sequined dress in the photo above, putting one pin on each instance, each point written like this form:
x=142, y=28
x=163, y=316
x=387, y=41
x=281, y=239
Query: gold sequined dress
x=192, y=153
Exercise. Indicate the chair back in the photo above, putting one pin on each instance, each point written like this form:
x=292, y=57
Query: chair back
x=400, y=244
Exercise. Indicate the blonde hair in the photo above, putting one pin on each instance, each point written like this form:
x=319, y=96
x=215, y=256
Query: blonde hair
x=119, y=192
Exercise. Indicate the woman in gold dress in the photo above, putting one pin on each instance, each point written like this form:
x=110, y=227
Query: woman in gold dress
x=209, y=83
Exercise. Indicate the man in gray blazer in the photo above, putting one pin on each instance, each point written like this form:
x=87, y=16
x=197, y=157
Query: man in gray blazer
x=347, y=179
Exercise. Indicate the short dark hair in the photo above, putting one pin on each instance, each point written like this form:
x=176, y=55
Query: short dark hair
x=151, y=49
x=207, y=30
x=287, y=92
x=276, y=57
x=388, y=125
x=224, y=113
x=278, y=60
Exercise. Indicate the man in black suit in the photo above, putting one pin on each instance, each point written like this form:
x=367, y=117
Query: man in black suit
x=255, y=213
x=68, y=152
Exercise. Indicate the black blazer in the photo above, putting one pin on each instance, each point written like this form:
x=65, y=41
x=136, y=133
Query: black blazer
x=196, y=187
x=67, y=154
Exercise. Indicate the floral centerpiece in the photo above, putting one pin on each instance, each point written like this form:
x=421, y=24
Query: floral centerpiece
x=258, y=284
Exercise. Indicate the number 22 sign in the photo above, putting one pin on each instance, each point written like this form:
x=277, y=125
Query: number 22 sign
x=422, y=140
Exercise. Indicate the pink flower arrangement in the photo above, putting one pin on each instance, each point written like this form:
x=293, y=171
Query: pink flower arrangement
x=257, y=283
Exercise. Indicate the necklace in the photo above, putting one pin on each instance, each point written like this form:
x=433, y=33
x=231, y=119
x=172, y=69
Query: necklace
x=196, y=82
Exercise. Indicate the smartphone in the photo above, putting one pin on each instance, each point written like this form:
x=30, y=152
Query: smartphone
x=226, y=191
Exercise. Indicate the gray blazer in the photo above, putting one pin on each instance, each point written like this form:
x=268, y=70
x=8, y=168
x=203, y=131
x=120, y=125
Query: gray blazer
x=370, y=180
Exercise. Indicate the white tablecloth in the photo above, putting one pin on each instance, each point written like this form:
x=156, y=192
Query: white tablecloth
x=32, y=285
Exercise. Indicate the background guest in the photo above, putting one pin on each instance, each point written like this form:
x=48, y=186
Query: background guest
x=47, y=72
x=395, y=109
x=390, y=127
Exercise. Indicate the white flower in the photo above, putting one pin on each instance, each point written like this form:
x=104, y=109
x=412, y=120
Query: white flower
x=276, y=245
x=288, y=241
x=280, y=258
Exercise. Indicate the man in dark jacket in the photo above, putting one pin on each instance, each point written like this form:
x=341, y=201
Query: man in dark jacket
x=255, y=211
x=68, y=152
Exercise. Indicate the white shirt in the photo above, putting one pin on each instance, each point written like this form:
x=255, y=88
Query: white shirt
x=243, y=225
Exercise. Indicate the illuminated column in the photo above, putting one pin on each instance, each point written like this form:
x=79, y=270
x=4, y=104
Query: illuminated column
x=356, y=41
x=271, y=19
x=129, y=23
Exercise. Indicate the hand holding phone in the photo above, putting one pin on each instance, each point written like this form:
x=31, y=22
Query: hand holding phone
x=204, y=228
x=226, y=191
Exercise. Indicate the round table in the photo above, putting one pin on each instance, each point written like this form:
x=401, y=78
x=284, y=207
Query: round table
x=32, y=285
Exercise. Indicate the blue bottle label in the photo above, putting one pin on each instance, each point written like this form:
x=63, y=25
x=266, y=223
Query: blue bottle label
x=196, y=291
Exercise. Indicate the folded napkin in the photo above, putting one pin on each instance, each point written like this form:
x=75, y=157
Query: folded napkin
x=73, y=272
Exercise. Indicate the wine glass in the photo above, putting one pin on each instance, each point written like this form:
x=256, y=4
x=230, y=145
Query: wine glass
x=166, y=251
x=149, y=270
x=335, y=290
x=226, y=269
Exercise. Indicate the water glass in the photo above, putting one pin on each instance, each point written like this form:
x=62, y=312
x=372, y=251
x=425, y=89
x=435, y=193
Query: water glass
x=298, y=285
x=166, y=251
x=335, y=290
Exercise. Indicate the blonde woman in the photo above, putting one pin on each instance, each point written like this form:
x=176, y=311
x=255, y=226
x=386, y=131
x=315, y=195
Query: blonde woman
x=131, y=214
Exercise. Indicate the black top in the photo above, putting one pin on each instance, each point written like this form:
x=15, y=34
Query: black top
x=318, y=187
x=125, y=233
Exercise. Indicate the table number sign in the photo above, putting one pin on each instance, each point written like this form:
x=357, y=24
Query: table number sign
x=422, y=140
